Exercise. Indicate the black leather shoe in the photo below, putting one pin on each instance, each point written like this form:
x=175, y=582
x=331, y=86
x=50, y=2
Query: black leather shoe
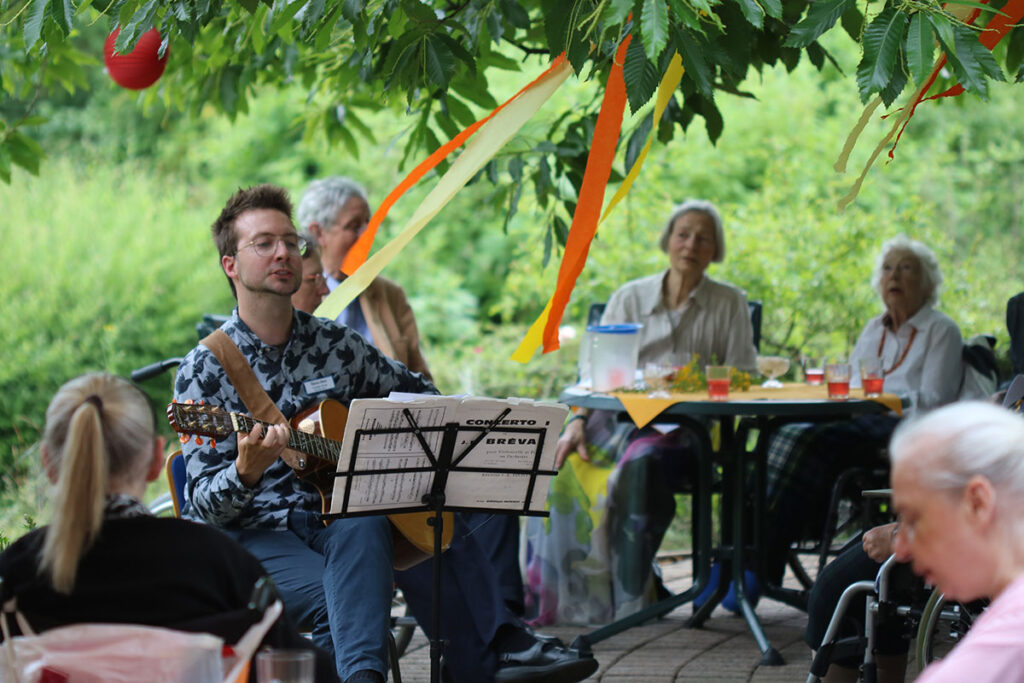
x=544, y=662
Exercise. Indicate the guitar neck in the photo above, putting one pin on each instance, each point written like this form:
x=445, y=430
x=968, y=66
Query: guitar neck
x=310, y=444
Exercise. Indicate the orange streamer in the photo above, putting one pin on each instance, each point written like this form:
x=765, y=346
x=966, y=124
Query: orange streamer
x=588, y=207
x=359, y=251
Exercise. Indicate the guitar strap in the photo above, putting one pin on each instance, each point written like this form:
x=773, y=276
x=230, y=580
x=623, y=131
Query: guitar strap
x=240, y=374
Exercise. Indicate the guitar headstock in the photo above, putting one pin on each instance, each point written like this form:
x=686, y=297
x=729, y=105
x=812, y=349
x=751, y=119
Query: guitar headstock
x=201, y=420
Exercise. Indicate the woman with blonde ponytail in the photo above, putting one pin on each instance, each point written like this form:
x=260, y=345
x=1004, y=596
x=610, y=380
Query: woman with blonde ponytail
x=104, y=557
x=100, y=449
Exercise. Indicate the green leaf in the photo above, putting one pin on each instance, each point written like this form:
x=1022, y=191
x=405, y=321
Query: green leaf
x=773, y=8
x=229, y=88
x=942, y=27
x=250, y=6
x=617, y=11
x=438, y=61
x=637, y=140
x=853, y=22
x=697, y=68
x=654, y=27
x=62, y=12
x=882, y=40
x=25, y=151
x=752, y=11
x=972, y=63
x=683, y=13
x=897, y=83
x=556, y=25
x=920, y=48
x=1015, y=49
x=13, y=11
x=459, y=111
x=34, y=22
x=713, y=122
x=5, y=163
x=821, y=16
x=351, y=9
x=641, y=76
x=816, y=55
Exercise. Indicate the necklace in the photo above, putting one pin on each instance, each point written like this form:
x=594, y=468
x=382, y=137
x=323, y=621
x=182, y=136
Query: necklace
x=899, y=362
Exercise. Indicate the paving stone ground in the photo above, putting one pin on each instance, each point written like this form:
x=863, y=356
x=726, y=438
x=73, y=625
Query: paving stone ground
x=665, y=651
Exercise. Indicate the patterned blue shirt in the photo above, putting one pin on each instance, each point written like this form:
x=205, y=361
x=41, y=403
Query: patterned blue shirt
x=320, y=360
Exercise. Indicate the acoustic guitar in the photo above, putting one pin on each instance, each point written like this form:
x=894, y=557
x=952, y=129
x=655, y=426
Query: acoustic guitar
x=314, y=444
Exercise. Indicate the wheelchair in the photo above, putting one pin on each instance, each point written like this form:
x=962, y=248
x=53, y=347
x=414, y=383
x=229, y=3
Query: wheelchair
x=935, y=624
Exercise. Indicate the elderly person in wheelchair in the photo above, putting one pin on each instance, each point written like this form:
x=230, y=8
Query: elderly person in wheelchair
x=958, y=489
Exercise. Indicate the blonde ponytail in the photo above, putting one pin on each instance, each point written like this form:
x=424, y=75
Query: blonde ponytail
x=98, y=427
x=78, y=499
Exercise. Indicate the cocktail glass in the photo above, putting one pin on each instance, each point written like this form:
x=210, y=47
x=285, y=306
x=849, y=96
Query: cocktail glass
x=658, y=378
x=772, y=367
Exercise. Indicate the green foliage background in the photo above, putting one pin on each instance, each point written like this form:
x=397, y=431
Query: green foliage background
x=109, y=262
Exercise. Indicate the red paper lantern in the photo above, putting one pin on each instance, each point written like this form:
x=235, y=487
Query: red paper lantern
x=141, y=67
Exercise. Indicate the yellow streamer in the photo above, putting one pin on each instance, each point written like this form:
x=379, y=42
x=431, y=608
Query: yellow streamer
x=855, y=189
x=851, y=139
x=491, y=137
x=534, y=337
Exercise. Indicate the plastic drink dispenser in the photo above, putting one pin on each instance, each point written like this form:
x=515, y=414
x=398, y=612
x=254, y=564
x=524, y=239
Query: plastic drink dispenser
x=613, y=353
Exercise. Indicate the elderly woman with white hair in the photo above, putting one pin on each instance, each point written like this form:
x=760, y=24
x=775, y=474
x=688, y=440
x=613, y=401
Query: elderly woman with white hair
x=958, y=489
x=591, y=560
x=920, y=350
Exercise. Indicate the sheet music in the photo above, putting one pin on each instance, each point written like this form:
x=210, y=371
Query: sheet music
x=523, y=440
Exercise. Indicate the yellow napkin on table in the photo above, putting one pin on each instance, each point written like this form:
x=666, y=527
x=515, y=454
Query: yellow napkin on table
x=642, y=410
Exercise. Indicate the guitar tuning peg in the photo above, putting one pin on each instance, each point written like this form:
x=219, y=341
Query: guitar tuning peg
x=183, y=438
x=199, y=441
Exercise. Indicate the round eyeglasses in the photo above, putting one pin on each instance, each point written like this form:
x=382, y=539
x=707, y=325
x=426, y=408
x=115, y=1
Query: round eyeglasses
x=266, y=245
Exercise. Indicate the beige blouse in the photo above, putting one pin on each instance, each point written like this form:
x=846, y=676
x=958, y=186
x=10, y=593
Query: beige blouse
x=714, y=322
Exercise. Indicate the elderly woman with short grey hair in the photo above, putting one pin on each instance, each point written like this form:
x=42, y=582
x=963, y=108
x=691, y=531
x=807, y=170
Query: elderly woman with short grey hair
x=958, y=488
x=591, y=560
x=920, y=350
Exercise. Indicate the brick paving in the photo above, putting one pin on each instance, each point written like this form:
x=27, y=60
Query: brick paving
x=665, y=651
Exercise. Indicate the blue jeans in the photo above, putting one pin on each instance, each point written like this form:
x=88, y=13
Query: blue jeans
x=472, y=608
x=336, y=580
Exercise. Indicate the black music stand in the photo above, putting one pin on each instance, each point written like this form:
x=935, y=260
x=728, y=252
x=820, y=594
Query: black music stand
x=441, y=465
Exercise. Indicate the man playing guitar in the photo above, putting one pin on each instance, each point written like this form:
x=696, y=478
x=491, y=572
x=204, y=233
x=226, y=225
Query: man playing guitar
x=336, y=578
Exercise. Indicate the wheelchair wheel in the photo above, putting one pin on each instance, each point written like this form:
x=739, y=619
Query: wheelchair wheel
x=944, y=623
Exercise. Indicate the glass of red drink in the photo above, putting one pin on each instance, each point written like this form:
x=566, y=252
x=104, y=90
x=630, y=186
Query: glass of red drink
x=814, y=370
x=718, y=381
x=837, y=377
x=871, y=376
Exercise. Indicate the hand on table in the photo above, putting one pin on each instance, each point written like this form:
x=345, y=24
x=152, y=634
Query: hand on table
x=573, y=438
x=257, y=452
x=878, y=542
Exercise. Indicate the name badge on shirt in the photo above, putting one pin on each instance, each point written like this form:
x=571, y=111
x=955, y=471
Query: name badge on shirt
x=315, y=386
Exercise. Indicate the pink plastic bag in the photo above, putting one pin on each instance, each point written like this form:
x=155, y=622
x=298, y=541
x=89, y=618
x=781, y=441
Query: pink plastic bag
x=123, y=653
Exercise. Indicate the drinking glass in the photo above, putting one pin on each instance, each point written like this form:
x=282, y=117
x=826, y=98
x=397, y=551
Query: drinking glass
x=837, y=377
x=772, y=367
x=284, y=666
x=872, y=378
x=814, y=370
x=718, y=377
x=658, y=378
